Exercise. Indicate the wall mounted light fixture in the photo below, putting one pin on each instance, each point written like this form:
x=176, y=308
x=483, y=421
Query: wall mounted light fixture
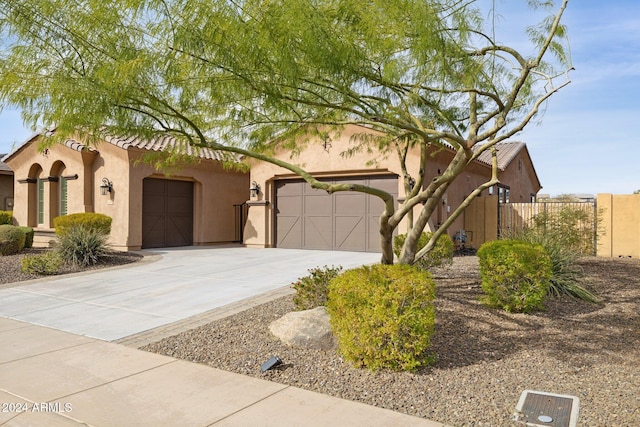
x=254, y=190
x=106, y=187
x=326, y=142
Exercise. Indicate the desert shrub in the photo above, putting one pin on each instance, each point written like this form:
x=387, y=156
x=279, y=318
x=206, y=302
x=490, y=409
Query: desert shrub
x=383, y=316
x=44, y=264
x=100, y=223
x=82, y=246
x=442, y=252
x=311, y=290
x=515, y=275
x=6, y=217
x=565, y=272
x=29, y=233
x=11, y=239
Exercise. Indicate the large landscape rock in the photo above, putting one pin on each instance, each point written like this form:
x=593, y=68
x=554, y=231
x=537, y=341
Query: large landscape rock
x=308, y=329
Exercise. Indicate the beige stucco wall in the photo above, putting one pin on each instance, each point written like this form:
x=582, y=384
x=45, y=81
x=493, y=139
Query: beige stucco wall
x=216, y=190
x=58, y=160
x=521, y=178
x=6, y=191
x=321, y=161
x=619, y=225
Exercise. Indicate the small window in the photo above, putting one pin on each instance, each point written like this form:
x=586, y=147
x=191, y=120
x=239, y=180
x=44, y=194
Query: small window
x=63, y=195
x=40, y=201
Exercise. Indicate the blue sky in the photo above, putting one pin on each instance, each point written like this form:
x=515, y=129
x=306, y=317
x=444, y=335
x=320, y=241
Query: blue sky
x=588, y=139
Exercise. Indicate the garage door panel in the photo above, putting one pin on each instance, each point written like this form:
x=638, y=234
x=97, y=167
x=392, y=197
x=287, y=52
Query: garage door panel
x=180, y=205
x=350, y=203
x=315, y=232
x=181, y=231
x=289, y=232
x=289, y=188
x=317, y=204
x=350, y=233
x=153, y=203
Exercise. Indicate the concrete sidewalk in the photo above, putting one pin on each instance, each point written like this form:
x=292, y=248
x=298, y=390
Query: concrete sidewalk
x=55, y=378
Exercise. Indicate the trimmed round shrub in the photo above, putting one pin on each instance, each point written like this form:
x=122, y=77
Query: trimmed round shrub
x=100, y=223
x=311, y=290
x=29, y=233
x=383, y=316
x=442, y=252
x=46, y=264
x=515, y=275
x=11, y=239
x=6, y=217
x=82, y=246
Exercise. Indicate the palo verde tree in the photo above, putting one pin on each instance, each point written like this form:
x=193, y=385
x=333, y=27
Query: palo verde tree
x=235, y=75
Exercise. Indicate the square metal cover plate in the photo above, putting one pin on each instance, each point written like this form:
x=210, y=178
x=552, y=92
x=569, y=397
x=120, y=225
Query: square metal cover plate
x=541, y=409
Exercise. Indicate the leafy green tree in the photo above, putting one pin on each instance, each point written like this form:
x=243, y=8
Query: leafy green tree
x=233, y=75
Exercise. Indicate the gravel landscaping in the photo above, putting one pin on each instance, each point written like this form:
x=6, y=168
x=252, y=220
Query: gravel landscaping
x=486, y=358
x=10, y=268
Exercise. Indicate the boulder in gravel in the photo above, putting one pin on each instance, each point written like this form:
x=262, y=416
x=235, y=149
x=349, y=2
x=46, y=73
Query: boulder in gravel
x=308, y=329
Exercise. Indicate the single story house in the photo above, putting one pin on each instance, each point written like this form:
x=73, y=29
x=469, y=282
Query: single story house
x=288, y=213
x=204, y=203
x=194, y=205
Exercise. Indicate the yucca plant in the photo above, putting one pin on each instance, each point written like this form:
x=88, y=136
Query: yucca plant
x=566, y=272
x=82, y=246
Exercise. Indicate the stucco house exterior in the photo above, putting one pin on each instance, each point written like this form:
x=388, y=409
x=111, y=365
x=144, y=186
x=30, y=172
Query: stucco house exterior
x=204, y=203
x=194, y=205
x=288, y=213
x=6, y=186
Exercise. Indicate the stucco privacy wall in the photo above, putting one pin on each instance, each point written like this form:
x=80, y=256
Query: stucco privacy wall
x=329, y=161
x=619, y=225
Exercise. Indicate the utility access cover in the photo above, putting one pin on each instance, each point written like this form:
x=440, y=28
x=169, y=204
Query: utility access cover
x=542, y=409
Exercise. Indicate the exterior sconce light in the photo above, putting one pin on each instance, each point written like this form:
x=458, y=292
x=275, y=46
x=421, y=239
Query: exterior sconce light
x=106, y=187
x=326, y=143
x=254, y=189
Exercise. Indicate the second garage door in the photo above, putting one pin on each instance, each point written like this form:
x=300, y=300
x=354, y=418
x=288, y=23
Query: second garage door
x=167, y=213
x=346, y=221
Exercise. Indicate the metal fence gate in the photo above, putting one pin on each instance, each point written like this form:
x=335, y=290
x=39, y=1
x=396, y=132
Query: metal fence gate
x=580, y=217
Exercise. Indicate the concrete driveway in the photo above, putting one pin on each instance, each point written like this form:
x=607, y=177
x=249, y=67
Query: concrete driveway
x=176, y=284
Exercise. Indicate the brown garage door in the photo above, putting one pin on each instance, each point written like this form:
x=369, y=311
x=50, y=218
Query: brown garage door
x=343, y=221
x=167, y=213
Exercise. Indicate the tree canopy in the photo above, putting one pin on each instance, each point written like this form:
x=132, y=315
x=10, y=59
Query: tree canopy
x=235, y=74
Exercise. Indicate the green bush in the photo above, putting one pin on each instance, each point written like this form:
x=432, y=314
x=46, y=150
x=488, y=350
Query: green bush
x=383, y=316
x=29, y=233
x=311, y=290
x=565, y=272
x=94, y=221
x=515, y=275
x=11, y=239
x=6, y=217
x=46, y=264
x=82, y=246
x=442, y=252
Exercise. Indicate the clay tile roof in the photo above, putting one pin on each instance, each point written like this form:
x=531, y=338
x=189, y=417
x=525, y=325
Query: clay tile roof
x=77, y=146
x=161, y=143
x=507, y=151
